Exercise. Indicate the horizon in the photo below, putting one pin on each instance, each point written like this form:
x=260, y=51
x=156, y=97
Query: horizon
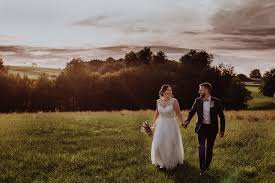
x=239, y=33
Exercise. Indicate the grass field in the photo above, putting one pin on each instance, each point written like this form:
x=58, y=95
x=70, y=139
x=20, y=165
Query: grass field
x=109, y=147
x=33, y=72
x=259, y=101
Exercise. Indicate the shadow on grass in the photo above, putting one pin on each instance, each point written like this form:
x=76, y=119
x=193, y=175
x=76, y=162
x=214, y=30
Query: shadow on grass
x=189, y=173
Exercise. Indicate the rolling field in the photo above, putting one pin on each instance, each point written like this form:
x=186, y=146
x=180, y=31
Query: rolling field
x=259, y=101
x=109, y=147
x=34, y=72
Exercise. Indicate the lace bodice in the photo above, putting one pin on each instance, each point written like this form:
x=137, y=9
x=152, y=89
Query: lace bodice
x=166, y=109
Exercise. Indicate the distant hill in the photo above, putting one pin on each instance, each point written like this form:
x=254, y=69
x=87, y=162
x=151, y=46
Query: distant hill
x=33, y=72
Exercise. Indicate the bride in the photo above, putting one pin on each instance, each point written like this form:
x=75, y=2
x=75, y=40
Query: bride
x=167, y=149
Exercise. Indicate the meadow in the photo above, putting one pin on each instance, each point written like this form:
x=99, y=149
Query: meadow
x=259, y=101
x=34, y=72
x=109, y=147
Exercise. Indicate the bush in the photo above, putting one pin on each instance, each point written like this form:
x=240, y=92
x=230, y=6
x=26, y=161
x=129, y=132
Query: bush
x=268, y=83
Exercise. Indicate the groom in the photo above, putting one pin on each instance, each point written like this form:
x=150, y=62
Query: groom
x=208, y=109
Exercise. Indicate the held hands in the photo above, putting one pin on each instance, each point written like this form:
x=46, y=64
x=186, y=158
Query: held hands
x=153, y=126
x=185, y=124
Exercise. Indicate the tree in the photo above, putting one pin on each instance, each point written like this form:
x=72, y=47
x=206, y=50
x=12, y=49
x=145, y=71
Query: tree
x=196, y=68
x=232, y=90
x=131, y=58
x=110, y=59
x=2, y=67
x=255, y=74
x=145, y=55
x=268, y=83
x=43, y=97
x=159, y=57
x=76, y=64
x=22, y=93
x=196, y=59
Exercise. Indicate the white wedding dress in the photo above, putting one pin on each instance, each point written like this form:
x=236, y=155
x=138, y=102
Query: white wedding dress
x=167, y=148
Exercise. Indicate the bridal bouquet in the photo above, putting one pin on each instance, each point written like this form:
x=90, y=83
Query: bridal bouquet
x=145, y=128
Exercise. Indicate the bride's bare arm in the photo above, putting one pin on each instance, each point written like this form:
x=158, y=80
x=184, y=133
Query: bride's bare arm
x=155, y=118
x=177, y=110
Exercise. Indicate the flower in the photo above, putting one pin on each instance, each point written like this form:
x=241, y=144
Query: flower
x=212, y=103
x=145, y=128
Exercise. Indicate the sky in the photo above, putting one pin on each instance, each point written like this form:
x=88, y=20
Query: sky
x=50, y=33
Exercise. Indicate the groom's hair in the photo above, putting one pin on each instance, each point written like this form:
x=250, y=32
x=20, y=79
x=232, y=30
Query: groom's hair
x=207, y=85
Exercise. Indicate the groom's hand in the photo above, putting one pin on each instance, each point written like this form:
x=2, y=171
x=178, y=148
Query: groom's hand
x=185, y=124
x=221, y=134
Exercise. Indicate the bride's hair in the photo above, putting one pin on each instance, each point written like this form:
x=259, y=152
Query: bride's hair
x=163, y=90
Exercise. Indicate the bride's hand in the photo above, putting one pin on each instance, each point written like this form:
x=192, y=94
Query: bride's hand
x=185, y=124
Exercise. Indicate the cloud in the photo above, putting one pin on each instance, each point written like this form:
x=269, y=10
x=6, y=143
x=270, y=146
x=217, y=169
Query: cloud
x=252, y=17
x=245, y=43
x=120, y=23
x=190, y=32
x=250, y=26
x=92, y=21
x=155, y=48
x=157, y=17
x=15, y=49
x=264, y=31
x=30, y=53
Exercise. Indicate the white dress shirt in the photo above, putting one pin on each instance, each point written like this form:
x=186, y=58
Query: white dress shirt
x=206, y=111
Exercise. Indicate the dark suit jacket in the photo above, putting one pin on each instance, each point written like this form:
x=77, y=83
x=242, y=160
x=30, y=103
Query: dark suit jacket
x=216, y=109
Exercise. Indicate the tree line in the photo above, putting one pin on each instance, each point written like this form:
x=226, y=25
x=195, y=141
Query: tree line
x=129, y=83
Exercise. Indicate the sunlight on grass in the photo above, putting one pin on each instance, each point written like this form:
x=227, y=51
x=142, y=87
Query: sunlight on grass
x=109, y=147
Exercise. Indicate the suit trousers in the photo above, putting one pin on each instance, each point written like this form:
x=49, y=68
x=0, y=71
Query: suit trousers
x=206, y=138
